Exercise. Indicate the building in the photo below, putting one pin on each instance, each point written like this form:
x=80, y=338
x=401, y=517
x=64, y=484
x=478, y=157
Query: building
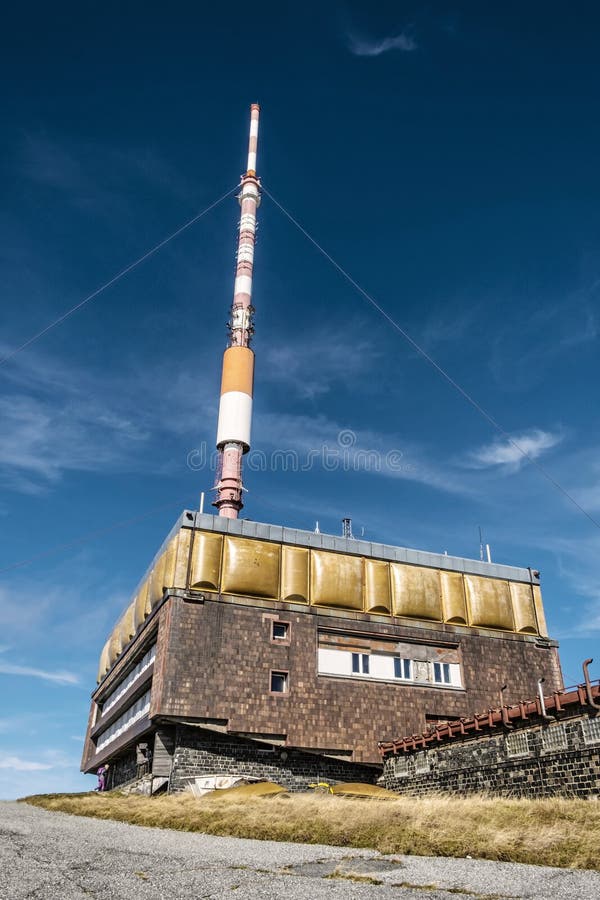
x=252, y=648
x=249, y=640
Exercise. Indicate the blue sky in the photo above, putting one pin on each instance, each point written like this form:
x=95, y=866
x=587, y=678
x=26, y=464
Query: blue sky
x=446, y=156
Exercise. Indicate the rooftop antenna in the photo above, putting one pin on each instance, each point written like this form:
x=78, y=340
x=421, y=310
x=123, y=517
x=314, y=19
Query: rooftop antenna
x=317, y=529
x=347, y=528
x=237, y=382
x=480, y=544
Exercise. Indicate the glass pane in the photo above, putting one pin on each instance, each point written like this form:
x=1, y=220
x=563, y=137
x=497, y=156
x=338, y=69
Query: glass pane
x=278, y=682
x=355, y=662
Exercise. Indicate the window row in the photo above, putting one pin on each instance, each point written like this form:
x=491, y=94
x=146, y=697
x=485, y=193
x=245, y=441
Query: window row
x=144, y=664
x=387, y=667
x=133, y=714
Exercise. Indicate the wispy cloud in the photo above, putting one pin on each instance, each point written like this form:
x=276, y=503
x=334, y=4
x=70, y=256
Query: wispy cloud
x=364, y=46
x=96, y=176
x=21, y=765
x=59, y=677
x=505, y=453
x=313, y=366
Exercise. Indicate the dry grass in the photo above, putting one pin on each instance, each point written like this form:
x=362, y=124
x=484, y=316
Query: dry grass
x=558, y=832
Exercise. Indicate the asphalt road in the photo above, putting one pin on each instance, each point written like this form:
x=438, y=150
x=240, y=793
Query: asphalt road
x=46, y=855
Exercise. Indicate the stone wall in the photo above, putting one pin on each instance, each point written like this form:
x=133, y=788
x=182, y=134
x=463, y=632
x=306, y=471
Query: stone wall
x=201, y=752
x=557, y=759
x=122, y=769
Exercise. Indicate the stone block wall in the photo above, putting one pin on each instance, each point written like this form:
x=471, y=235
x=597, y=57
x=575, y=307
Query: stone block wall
x=558, y=759
x=122, y=769
x=201, y=752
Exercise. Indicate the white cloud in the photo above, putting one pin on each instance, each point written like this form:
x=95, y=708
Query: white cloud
x=314, y=365
x=362, y=46
x=21, y=765
x=510, y=453
x=59, y=677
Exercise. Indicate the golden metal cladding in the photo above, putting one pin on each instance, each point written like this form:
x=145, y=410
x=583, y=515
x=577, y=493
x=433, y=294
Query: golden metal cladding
x=294, y=574
x=251, y=568
x=336, y=580
x=523, y=608
x=238, y=370
x=453, y=598
x=378, y=597
x=539, y=610
x=416, y=592
x=489, y=603
x=203, y=560
x=207, y=553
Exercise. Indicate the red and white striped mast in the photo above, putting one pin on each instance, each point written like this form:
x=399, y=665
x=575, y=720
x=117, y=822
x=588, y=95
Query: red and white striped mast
x=237, y=382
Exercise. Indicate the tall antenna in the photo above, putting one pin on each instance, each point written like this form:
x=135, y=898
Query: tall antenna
x=347, y=528
x=237, y=382
x=480, y=543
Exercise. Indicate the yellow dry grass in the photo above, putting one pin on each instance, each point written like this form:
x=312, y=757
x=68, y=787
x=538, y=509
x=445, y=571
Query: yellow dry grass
x=560, y=832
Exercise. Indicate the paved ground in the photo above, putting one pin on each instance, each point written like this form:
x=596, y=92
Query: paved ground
x=53, y=856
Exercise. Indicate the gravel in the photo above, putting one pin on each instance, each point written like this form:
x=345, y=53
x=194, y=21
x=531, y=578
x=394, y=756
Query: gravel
x=46, y=855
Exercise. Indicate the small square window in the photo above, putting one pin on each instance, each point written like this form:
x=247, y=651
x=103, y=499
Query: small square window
x=281, y=631
x=279, y=682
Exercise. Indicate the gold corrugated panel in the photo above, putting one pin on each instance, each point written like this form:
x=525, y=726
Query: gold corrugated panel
x=294, y=574
x=453, y=597
x=170, y=560
x=115, y=644
x=157, y=581
x=142, y=606
x=539, y=610
x=206, y=561
x=523, y=610
x=489, y=602
x=127, y=624
x=377, y=586
x=416, y=592
x=251, y=568
x=336, y=580
x=184, y=542
x=104, y=664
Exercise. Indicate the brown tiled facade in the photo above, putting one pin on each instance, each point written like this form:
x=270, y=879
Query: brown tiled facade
x=215, y=655
x=220, y=656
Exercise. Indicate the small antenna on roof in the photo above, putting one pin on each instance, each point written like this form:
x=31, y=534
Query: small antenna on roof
x=317, y=529
x=347, y=528
x=480, y=544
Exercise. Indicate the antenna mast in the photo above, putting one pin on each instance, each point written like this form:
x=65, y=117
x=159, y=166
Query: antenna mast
x=237, y=382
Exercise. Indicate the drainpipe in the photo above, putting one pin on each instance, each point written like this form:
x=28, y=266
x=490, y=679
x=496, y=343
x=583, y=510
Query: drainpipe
x=544, y=714
x=588, y=685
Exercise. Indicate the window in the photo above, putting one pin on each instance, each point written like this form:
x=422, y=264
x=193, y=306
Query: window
x=554, y=738
x=517, y=744
x=402, y=668
x=441, y=673
x=280, y=631
x=279, y=682
x=360, y=663
x=591, y=731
